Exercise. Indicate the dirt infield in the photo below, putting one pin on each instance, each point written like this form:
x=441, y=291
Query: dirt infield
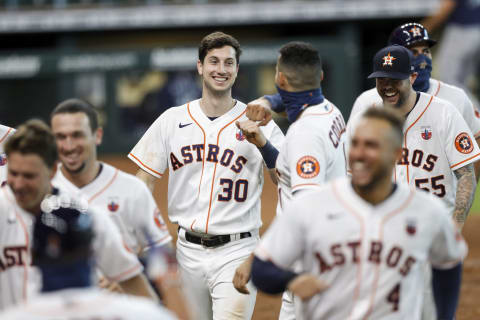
x=267, y=307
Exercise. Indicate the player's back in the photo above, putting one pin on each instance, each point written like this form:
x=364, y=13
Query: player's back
x=313, y=151
x=87, y=304
x=5, y=132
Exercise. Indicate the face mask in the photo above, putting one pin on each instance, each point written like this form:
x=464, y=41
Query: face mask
x=296, y=102
x=423, y=66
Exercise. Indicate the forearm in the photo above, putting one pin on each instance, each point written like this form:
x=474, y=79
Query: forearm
x=466, y=186
x=434, y=21
x=138, y=286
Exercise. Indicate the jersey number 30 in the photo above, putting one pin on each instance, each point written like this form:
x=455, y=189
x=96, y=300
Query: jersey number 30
x=239, y=190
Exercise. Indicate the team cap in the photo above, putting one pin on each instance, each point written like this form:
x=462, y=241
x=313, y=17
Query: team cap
x=394, y=62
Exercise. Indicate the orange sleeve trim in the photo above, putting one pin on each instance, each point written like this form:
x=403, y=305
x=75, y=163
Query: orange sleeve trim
x=438, y=89
x=123, y=276
x=5, y=135
x=104, y=188
x=457, y=164
x=215, y=168
x=305, y=185
x=144, y=165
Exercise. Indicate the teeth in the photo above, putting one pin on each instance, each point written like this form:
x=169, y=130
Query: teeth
x=390, y=94
x=220, y=79
x=358, y=166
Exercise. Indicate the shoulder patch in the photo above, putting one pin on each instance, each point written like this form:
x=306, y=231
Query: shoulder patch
x=463, y=143
x=308, y=167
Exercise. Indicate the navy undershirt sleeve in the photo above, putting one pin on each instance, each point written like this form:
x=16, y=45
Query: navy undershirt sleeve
x=269, y=278
x=275, y=102
x=446, y=291
x=269, y=154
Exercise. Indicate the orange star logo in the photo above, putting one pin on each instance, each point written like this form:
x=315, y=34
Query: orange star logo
x=388, y=59
x=416, y=32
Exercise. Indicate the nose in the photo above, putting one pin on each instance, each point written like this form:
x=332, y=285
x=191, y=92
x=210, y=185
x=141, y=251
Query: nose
x=16, y=182
x=67, y=144
x=221, y=67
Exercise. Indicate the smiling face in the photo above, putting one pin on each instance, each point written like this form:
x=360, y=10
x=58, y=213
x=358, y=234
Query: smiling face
x=29, y=178
x=373, y=152
x=76, y=143
x=421, y=48
x=395, y=93
x=218, y=70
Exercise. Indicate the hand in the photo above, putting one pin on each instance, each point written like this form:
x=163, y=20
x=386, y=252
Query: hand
x=259, y=110
x=252, y=132
x=242, y=276
x=306, y=286
x=110, y=286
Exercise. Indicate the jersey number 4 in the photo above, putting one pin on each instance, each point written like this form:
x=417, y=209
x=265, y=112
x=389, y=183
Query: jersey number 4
x=239, y=190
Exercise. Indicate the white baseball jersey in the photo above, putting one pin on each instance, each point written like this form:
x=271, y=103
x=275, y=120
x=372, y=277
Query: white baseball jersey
x=129, y=202
x=215, y=175
x=19, y=280
x=5, y=132
x=313, y=151
x=437, y=141
x=88, y=303
x=371, y=256
x=456, y=96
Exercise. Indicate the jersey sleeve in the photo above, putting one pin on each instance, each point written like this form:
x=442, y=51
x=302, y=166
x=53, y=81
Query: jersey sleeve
x=150, y=227
x=150, y=152
x=461, y=148
x=307, y=156
x=284, y=242
x=448, y=246
x=111, y=255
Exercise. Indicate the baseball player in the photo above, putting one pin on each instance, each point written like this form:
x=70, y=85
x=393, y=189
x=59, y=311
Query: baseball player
x=362, y=241
x=62, y=249
x=415, y=37
x=32, y=156
x=131, y=205
x=215, y=182
x=438, y=147
x=5, y=132
x=313, y=151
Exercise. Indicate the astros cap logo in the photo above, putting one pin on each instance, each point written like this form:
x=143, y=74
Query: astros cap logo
x=388, y=59
x=416, y=32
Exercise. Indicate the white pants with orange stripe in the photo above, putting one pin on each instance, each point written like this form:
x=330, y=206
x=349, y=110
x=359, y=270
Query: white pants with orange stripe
x=207, y=275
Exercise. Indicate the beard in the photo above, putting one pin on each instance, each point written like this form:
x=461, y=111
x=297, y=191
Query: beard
x=377, y=178
x=76, y=171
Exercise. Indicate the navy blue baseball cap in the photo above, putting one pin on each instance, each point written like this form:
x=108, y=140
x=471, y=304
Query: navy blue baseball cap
x=394, y=62
x=62, y=236
x=409, y=34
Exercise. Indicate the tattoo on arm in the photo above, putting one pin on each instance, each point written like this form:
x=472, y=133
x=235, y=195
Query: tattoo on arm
x=465, y=192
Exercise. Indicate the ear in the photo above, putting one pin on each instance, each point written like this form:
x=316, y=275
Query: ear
x=413, y=77
x=321, y=76
x=200, y=67
x=282, y=80
x=98, y=136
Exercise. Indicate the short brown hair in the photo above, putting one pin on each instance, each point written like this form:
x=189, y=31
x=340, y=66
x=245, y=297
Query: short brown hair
x=217, y=40
x=393, y=117
x=34, y=137
x=75, y=105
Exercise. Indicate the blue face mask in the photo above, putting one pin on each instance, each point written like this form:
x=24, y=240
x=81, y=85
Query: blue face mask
x=423, y=66
x=296, y=102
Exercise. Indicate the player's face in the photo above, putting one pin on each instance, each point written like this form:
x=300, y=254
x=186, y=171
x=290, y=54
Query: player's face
x=76, y=143
x=372, y=154
x=393, y=92
x=29, y=178
x=421, y=48
x=219, y=70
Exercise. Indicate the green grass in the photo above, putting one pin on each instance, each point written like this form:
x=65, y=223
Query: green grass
x=476, y=202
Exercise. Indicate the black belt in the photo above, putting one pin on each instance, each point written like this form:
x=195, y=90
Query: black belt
x=215, y=241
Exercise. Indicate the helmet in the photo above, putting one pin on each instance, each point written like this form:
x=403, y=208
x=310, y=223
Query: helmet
x=62, y=236
x=409, y=34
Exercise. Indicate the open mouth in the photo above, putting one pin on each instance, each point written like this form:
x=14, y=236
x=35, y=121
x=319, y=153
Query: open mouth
x=220, y=79
x=390, y=96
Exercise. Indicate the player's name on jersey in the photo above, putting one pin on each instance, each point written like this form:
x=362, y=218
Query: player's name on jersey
x=336, y=131
x=194, y=153
x=344, y=253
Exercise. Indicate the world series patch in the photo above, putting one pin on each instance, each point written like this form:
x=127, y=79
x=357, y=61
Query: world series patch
x=463, y=143
x=308, y=167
